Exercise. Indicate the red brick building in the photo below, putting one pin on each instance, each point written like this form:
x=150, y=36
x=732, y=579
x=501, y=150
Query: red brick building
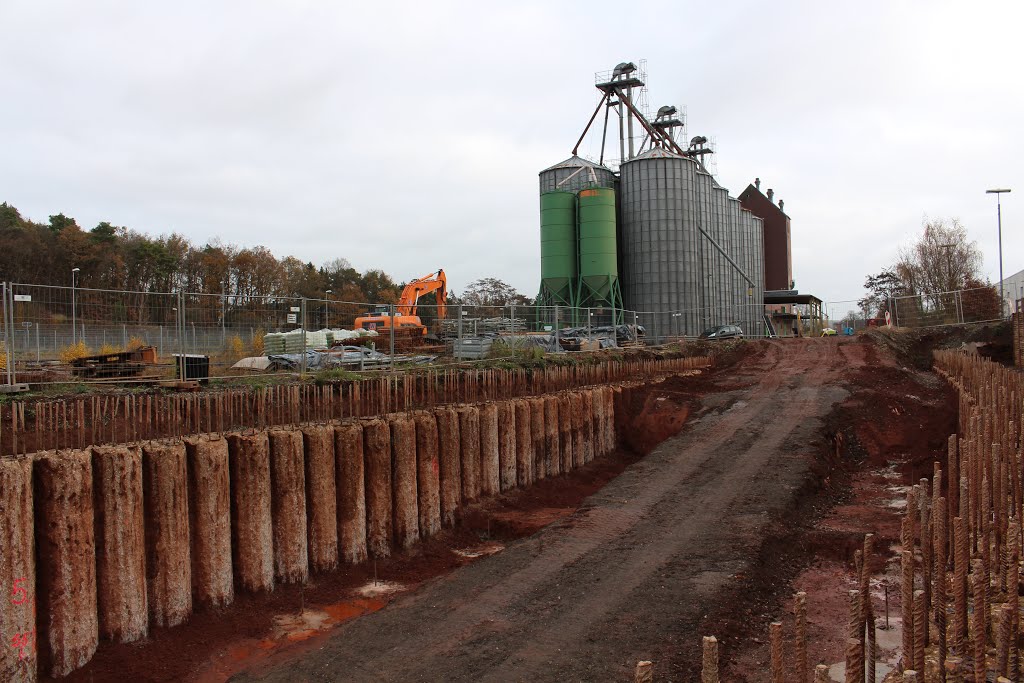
x=778, y=252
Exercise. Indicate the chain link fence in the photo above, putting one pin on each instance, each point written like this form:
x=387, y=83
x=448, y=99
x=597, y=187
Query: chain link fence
x=960, y=307
x=51, y=329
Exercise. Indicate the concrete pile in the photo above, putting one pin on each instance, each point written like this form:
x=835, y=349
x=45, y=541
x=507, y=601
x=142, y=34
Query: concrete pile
x=138, y=536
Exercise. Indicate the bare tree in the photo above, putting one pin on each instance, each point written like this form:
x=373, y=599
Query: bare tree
x=943, y=259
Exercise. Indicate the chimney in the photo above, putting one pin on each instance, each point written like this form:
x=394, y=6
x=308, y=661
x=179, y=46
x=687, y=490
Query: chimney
x=771, y=195
x=757, y=184
x=781, y=203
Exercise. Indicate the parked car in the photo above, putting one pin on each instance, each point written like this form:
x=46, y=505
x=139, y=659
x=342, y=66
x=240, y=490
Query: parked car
x=722, y=332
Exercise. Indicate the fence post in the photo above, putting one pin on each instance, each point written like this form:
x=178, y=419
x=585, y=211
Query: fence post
x=223, y=319
x=391, y=359
x=558, y=345
x=302, y=320
x=7, y=336
x=180, y=333
x=458, y=336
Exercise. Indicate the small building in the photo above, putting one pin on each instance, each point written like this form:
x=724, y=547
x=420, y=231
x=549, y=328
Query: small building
x=792, y=314
x=1013, y=291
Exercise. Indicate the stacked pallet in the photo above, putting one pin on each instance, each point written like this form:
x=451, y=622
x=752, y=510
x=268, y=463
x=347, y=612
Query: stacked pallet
x=296, y=341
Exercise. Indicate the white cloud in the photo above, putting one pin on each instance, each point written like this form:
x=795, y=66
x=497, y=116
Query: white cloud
x=408, y=136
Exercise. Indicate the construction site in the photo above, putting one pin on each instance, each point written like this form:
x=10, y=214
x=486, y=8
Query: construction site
x=669, y=466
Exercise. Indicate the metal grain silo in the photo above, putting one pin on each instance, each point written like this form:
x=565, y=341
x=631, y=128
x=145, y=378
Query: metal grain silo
x=558, y=266
x=559, y=185
x=710, y=259
x=659, y=240
x=598, y=284
x=575, y=174
x=744, y=288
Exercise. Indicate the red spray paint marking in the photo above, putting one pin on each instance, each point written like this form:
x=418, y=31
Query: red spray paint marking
x=19, y=594
x=25, y=643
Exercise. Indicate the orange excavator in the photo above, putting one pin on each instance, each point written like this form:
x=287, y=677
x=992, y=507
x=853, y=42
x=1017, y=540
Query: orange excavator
x=407, y=307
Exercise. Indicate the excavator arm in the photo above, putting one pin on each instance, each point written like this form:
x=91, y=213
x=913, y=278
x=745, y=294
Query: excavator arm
x=408, y=302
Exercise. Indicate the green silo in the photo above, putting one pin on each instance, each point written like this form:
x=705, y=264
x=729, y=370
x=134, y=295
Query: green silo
x=598, y=284
x=558, y=248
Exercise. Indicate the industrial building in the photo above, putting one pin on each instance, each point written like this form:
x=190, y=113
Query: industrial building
x=778, y=248
x=657, y=238
x=787, y=312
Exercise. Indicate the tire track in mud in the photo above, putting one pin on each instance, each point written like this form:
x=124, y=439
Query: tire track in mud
x=587, y=597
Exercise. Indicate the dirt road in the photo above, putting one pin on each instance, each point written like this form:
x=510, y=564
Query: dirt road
x=633, y=574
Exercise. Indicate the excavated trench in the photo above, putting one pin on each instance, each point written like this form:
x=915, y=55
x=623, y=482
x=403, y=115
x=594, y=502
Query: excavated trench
x=886, y=433
x=153, y=560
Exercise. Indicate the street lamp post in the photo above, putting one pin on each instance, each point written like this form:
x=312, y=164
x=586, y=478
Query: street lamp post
x=327, y=311
x=999, y=218
x=74, y=337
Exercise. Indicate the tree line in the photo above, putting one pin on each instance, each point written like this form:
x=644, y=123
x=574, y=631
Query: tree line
x=119, y=258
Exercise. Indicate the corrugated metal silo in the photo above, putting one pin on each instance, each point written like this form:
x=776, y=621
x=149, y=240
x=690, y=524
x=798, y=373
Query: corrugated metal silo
x=707, y=283
x=659, y=239
x=745, y=290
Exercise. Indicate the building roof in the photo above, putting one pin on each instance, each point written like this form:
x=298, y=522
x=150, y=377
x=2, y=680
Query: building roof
x=753, y=193
x=577, y=162
x=657, y=153
x=789, y=296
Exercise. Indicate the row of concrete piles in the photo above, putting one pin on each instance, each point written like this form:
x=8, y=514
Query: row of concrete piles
x=960, y=550
x=110, y=541
x=82, y=422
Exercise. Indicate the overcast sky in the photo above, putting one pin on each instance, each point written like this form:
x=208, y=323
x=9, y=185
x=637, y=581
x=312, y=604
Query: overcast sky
x=408, y=136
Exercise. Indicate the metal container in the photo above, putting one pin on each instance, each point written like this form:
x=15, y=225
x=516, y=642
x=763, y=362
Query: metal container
x=575, y=174
x=558, y=270
x=598, y=262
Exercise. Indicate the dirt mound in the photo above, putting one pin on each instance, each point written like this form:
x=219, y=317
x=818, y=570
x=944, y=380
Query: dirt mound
x=913, y=348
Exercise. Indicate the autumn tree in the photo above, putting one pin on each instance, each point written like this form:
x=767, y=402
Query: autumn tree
x=144, y=270
x=979, y=301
